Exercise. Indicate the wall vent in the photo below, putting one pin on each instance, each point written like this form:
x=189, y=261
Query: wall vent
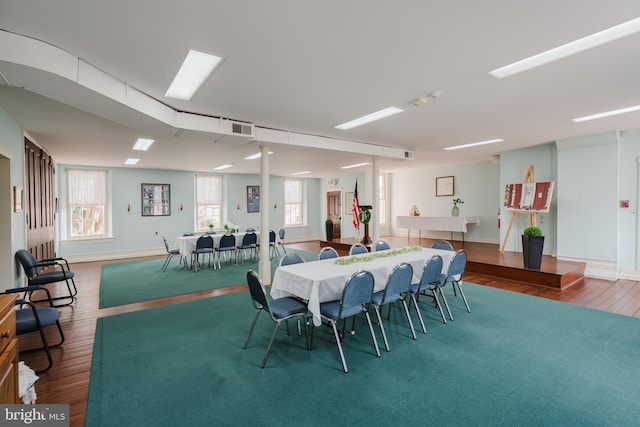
x=408, y=155
x=242, y=129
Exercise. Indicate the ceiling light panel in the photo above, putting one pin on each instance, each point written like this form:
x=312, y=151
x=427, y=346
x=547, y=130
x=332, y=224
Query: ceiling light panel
x=223, y=167
x=131, y=161
x=195, y=69
x=474, y=144
x=390, y=111
x=143, y=144
x=610, y=34
x=357, y=165
x=256, y=156
x=607, y=114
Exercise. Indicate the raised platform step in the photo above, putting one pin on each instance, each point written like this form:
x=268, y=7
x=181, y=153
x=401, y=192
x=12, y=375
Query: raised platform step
x=486, y=259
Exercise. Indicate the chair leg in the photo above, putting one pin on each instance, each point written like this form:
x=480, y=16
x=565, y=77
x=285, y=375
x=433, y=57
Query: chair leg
x=464, y=298
x=384, y=335
x=337, y=336
x=273, y=335
x=446, y=304
x=406, y=311
x=415, y=305
x=373, y=335
x=253, y=324
x=166, y=263
x=435, y=297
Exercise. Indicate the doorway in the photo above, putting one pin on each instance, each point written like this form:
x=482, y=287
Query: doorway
x=334, y=211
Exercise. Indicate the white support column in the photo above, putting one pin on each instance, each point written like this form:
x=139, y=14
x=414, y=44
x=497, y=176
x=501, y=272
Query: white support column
x=264, y=265
x=375, y=177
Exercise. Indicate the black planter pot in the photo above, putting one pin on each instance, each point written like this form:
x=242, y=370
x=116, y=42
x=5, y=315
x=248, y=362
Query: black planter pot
x=532, y=251
x=329, y=230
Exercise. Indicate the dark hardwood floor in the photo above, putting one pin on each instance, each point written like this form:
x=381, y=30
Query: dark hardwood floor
x=68, y=380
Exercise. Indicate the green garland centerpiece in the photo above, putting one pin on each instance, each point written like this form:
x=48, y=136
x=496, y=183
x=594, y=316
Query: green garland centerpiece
x=375, y=255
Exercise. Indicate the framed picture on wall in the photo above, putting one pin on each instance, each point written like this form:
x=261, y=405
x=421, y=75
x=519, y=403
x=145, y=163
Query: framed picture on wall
x=253, y=198
x=444, y=186
x=156, y=199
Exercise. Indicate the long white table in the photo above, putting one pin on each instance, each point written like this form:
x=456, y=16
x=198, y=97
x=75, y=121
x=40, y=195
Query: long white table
x=437, y=223
x=324, y=280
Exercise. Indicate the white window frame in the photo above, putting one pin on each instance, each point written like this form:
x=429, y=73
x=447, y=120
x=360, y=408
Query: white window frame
x=299, y=204
x=94, y=197
x=382, y=201
x=213, y=203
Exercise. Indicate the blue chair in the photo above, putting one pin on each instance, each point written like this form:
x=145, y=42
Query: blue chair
x=36, y=319
x=454, y=276
x=355, y=299
x=381, y=245
x=273, y=250
x=227, y=244
x=170, y=254
x=442, y=244
x=358, y=248
x=249, y=243
x=291, y=258
x=58, y=272
x=429, y=281
x=327, y=252
x=204, y=246
x=281, y=239
x=279, y=309
x=397, y=289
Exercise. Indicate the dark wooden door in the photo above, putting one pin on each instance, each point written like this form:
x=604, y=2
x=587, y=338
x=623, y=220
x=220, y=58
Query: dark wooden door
x=39, y=201
x=334, y=211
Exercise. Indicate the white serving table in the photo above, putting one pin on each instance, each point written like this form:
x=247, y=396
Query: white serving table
x=437, y=223
x=324, y=280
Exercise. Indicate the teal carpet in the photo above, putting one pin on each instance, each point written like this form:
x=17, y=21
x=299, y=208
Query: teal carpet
x=516, y=360
x=138, y=281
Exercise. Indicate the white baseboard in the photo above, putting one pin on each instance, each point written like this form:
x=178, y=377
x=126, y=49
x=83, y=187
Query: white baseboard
x=106, y=256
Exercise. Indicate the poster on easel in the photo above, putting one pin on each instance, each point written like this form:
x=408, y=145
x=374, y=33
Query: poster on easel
x=529, y=196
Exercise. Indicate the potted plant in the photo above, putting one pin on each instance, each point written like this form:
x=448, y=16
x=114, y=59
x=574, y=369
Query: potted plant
x=328, y=224
x=532, y=245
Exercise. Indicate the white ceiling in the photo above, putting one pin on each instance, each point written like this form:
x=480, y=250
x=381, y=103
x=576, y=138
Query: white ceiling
x=306, y=67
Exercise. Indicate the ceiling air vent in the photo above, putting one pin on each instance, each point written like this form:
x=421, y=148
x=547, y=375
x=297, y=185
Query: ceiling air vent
x=408, y=155
x=242, y=129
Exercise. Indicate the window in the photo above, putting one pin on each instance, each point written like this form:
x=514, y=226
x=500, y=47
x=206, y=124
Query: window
x=87, y=200
x=293, y=202
x=382, y=193
x=208, y=201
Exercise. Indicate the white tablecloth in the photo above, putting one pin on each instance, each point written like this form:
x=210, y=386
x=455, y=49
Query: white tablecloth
x=186, y=244
x=437, y=223
x=322, y=281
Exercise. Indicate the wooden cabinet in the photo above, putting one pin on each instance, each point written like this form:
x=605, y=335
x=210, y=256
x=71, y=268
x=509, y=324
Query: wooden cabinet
x=8, y=351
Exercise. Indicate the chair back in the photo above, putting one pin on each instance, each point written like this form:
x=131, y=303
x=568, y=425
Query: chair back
x=381, y=245
x=249, y=239
x=204, y=242
x=250, y=230
x=398, y=283
x=227, y=242
x=272, y=237
x=281, y=234
x=358, y=248
x=188, y=233
x=457, y=266
x=442, y=244
x=258, y=293
x=431, y=273
x=291, y=258
x=28, y=262
x=166, y=245
x=328, y=252
x=357, y=292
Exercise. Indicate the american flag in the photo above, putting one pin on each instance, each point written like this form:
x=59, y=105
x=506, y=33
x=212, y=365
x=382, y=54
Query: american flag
x=356, y=208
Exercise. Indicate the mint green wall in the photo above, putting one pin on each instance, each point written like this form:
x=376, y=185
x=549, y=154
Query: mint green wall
x=629, y=156
x=587, y=197
x=131, y=233
x=12, y=224
x=477, y=184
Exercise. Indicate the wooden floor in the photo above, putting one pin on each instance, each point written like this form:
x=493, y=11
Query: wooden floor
x=68, y=380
